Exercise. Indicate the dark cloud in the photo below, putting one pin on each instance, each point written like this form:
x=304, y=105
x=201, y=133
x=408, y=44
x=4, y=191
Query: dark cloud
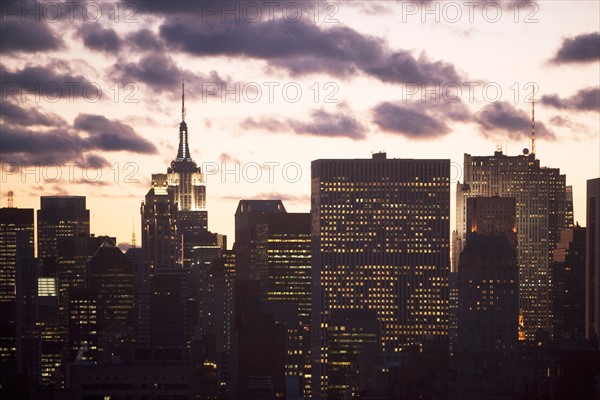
x=587, y=99
x=408, y=121
x=31, y=137
x=96, y=37
x=502, y=118
x=579, y=49
x=160, y=73
x=27, y=36
x=112, y=135
x=303, y=47
x=55, y=146
x=21, y=140
x=321, y=124
x=145, y=40
x=52, y=81
x=13, y=114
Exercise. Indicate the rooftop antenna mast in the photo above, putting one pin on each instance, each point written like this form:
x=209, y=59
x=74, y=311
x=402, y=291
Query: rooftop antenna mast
x=133, y=244
x=533, y=120
x=182, y=100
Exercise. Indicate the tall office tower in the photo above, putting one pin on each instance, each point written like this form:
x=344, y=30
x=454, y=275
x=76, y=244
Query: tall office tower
x=568, y=285
x=258, y=347
x=213, y=286
x=592, y=262
x=569, y=214
x=217, y=320
x=488, y=316
x=60, y=217
x=159, y=227
x=110, y=280
x=380, y=240
x=141, y=289
x=168, y=299
x=18, y=286
x=488, y=276
x=185, y=181
x=63, y=226
x=181, y=189
x=273, y=247
x=250, y=238
x=540, y=198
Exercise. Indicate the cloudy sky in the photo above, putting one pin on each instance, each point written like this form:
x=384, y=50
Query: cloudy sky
x=91, y=93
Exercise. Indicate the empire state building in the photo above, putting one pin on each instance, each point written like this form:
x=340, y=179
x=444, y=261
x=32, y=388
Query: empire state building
x=186, y=181
x=174, y=211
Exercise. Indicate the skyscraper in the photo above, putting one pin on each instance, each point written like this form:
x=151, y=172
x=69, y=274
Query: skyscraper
x=63, y=231
x=159, y=227
x=18, y=287
x=175, y=243
x=541, y=213
x=181, y=187
x=60, y=217
x=110, y=281
x=273, y=247
x=592, y=262
x=488, y=277
x=380, y=240
x=568, y=285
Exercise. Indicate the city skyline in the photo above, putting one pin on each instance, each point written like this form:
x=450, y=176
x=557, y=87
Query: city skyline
x=302, y=200
x=369, y=82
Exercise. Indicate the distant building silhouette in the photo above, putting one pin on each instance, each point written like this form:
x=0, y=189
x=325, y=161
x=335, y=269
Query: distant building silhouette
x=19, y=340
x=272, y=248
x=110, y=280
x=568, y=285
x=592, y=263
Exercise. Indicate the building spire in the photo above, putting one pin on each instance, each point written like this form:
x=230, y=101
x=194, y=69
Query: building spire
x=182, y=100
x=533, y=120
x=184, y=152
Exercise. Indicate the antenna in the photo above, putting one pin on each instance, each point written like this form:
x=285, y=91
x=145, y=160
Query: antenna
x=133, y=232
x=182, y=100
x=533, y=120
x=10, y=199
